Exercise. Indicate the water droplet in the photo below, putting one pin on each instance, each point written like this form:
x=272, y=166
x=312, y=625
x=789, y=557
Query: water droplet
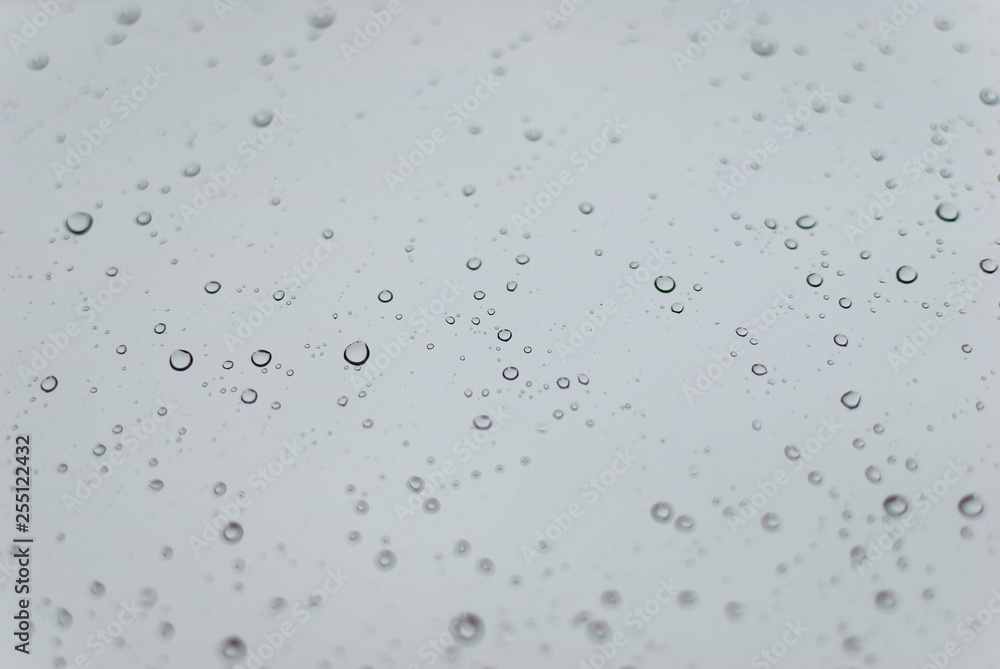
x=533, y=135
x=895, y=505
x=971, y=506
x=467, y=629
x=759, y=369
x=791, y=244
x=885, y=600
x=260, y=358
x=661, y=512
x=664, y=284
x=181, y=359
x=485, y=566
x=906, y=274
x=482, y=422
x=49, y=383
x=988, y=265
x=586, y=208
x=128, y=15
x=219, y=489
x=814, y=280
x=770, y=522
x=192, y=170
x=262, y=119
x=160, y=328
x=212, y=287
x=840, y=340
x=38, y=61
x=734, y=611
x=144, y=218
x=510, y=373
x=946, y=211
x=512, y=286
x=233, y=648
x=684, y=523
x=851, y=399
x=521, y=259
x=233, y=532
x=385, y=296
x=462, y=548
x=357, y=353
x=806, y=222
x=598, y=631
x=321, y=18
x=988, y=96
x=249, y=396
x=873, y=474
x=763, y=47
x=474, y=264
x=79, y=223
x=156, y=485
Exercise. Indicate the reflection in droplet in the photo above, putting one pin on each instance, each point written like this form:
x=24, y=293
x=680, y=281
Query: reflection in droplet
x=971, y=506
x=664, y=284
x=946, y=211
x=510, y=373
x=895, y=505
x=661, y=512
x=233, y=532
x=249, y=396
x=763, y=47
x=906, y=274
x=467, y=629
x=385, y=559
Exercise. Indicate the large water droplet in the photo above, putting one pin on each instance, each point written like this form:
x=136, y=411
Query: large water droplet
x=357, y=353
x=49, y=383
x=664, y=284
x=946, y=211
x=895, y=505
x=79, y=223
x=661, y=512
x=763, y=47
x=971, y=506
x=851, y=399
x=260, y=358
x=181, y=359
x=906, y=274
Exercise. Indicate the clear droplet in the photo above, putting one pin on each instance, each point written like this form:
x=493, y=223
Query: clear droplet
x=661, y=512
x=895, y=505
x=474, y=264
x=321, y=18
x=840, y=340
x=212, y=287
x=664, y=284
x=971, y=506
x=763, y=47
x=249, y=396
x=806, y=222
x=946, y=211
x=260, y=358
x=467, y=629
x=906, y=274
x=357, y=353
x=79, y=223
x=759, y=369
x=385, y=296
x=49, y=384
x=510, y=373
x=233, y=532
x=851, y=399
x=181, y=359
x=482, y=422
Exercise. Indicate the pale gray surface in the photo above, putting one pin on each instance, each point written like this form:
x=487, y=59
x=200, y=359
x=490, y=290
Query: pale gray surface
x=656, y=188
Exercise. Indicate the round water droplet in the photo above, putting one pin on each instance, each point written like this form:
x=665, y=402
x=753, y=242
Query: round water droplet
x=49, y=384
x=971, y=506
x=144, y=218
x=684, y=523
x=128, y=14
x=181, y=359
x=474, y=264
x=763, y=47
x=906, y=274
x=385, y=559
x=664, y=284
x=462, y=548
x=321, y=18
x=586, y=208
x=759, y=369
x=512, y=286
x=661, y=512
x=946, y=211
x=988, y=265
x=770, y=522
x=840, y=340
x=38, y=62
x=192, y=170
x=895, y=505
x=79, y=223
x=385, y=296
x=357, y=353
x=814, y=280
x=734, y=611
x=510, y=373
x=885, y=600
x=851, y=399
x=482, y=422
x=806, y=222
x=212, y=287
x=160, y=328
x=233, y=649
x=988, y=96
x=260, y=358
x=262, y=119
x=521, y=259
x=219, y=489
x=873, y=474
x=249, y=396
x=233, y=532
x=533, y=135
x=467, y=629
x=791, y=244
